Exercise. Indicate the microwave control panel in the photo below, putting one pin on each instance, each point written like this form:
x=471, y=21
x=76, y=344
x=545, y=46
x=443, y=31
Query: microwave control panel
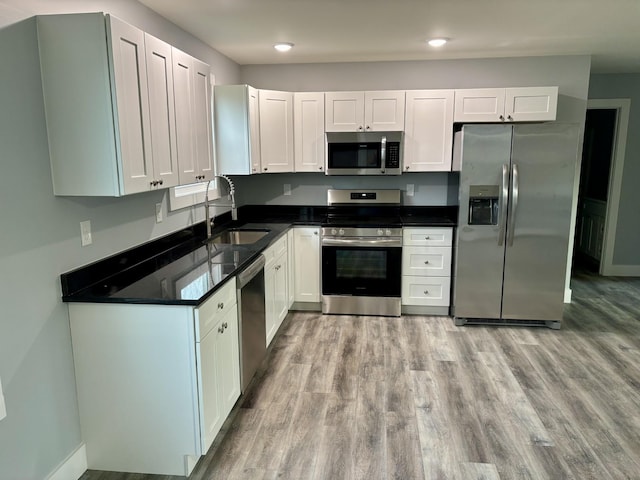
x=393, y=155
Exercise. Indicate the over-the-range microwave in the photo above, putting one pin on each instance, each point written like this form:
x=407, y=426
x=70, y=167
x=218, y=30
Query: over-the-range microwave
x=366, y=153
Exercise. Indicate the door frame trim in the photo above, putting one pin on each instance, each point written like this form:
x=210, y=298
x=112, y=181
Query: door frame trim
x=623, y=107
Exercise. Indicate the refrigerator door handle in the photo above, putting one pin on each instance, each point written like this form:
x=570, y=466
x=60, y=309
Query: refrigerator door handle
x=504, y=195
x=514, y=204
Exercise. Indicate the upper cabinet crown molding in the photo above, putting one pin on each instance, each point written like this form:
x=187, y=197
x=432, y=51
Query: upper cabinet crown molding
x=110, y=107
x=374, y=111
x=521, y=104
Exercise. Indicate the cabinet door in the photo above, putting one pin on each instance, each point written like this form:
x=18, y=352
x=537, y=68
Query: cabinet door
x=270, y=295
x=531, y=104
x=306, y=264
x=183, y=94
x=428, y=137
x=290, y=271
x=276, y=131
x=254, y=130
x=161, y=108
x=203, y=139
x=479, y=105
x=211, y=411
x=132, y=105
x=228, y=361
x=344, y=111
x=308, y=131
x=384, y=111
x=281, y=299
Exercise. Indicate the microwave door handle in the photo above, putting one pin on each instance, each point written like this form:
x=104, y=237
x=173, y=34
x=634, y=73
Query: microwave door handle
x=383, y=152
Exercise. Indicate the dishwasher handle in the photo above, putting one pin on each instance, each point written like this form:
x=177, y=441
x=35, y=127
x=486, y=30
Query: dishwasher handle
x=251, y=271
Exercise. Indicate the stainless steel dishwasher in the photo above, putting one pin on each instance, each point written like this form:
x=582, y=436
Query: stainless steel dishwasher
x=252, y=328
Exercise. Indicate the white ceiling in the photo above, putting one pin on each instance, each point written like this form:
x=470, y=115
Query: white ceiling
x=381, y=30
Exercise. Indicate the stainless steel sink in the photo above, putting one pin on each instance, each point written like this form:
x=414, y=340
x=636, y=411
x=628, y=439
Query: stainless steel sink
x=239, y=237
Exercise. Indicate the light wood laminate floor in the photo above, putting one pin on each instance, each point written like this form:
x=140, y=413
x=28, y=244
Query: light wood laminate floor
x=350, y=397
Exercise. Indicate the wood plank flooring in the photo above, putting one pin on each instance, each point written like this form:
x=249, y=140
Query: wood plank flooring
x=350, y=397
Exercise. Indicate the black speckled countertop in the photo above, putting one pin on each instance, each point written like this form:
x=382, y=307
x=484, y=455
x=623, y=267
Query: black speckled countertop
x=180, y=269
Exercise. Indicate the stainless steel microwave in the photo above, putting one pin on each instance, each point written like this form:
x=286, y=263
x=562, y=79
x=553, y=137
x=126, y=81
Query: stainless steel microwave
x=367, y=153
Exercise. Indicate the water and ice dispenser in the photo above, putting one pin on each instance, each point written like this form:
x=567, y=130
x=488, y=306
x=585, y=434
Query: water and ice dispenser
x=483, y=204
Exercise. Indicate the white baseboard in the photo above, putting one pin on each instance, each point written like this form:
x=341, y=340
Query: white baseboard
x=73, y=467
x=622, y=271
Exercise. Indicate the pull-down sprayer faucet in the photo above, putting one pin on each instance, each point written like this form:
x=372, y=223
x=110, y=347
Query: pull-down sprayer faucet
x=234, y=210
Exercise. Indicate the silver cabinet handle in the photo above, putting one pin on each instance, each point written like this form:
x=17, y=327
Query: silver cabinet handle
x=503, y=203
x=221, y=305
x=427, y=237
x=225, y=325
x=426, y=262
x=514, y=204
x=501, y=117
x=221, y=329
x=426, y=292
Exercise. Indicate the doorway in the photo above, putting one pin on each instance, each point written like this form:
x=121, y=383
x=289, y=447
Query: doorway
x=600, y=182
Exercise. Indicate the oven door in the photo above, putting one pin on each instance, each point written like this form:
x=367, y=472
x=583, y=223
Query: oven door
x=361, y=269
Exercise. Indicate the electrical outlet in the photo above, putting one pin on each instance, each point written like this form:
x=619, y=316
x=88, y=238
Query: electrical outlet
x=3, y=407
x=287, y=189
x=410, y=189
x=158, y=212
x=85, y=233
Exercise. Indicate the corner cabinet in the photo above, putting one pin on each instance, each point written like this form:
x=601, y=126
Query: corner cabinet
x=109, y=100
x=237, y=129
x=525, y=104
x=428, y=137
x=426, y=269
x=308, y=131
x=155, y=383
x=375, y=111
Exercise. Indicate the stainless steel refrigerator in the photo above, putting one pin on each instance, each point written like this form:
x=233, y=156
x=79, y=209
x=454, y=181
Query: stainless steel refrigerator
x=516, y=190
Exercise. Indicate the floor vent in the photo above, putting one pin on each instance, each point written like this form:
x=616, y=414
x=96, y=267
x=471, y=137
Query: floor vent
x=507, y=323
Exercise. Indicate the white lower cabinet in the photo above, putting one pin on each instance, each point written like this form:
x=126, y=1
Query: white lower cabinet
x=306, y=264
x=154, y=382
x=426, y=266
x=275, y=280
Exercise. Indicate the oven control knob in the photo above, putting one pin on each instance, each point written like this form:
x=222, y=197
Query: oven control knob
x=341, y=231
x=333, y=231
x=387, y=232
x=380, y=232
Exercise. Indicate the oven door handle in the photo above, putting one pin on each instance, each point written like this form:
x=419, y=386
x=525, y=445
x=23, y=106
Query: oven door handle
x=362, y=242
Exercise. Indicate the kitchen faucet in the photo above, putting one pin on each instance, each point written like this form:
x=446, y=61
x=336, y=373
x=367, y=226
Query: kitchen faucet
x=234, y=210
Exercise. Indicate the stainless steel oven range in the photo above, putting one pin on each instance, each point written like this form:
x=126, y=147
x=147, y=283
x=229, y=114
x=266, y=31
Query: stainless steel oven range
x=362, y=253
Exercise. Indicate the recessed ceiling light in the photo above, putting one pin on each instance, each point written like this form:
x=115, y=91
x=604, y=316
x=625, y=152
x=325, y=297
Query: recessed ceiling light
x=437, y=42
x=283, y=47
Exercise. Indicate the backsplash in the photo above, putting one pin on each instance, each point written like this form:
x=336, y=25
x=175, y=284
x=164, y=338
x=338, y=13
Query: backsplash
x=433, y=189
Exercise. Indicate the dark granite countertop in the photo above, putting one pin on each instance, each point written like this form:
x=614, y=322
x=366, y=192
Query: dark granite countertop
x=181, y=269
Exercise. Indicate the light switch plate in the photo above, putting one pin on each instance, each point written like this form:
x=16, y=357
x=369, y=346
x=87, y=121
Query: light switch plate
x=410, y=189
x=158, y=212
x=3, y=407
x=85, y=233
x=287, y=189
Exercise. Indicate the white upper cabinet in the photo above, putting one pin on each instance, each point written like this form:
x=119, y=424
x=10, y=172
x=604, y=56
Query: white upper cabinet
x=308, y=131
x=237, y=127
x=162, y=112
x=276, y=131
x=380, y=111
x=193, y=118
x=428, y=137
x=525, y=104
x=112, y=122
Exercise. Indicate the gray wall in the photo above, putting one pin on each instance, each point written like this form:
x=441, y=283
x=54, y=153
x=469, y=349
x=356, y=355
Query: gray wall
x=628, y=227
x=41, y=239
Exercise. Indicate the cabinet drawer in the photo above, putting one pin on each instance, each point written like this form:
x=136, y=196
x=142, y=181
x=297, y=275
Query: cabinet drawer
x=429, y=291
x=432, y=236
x=212, y=311
x=426, y=261
x=275, y=251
